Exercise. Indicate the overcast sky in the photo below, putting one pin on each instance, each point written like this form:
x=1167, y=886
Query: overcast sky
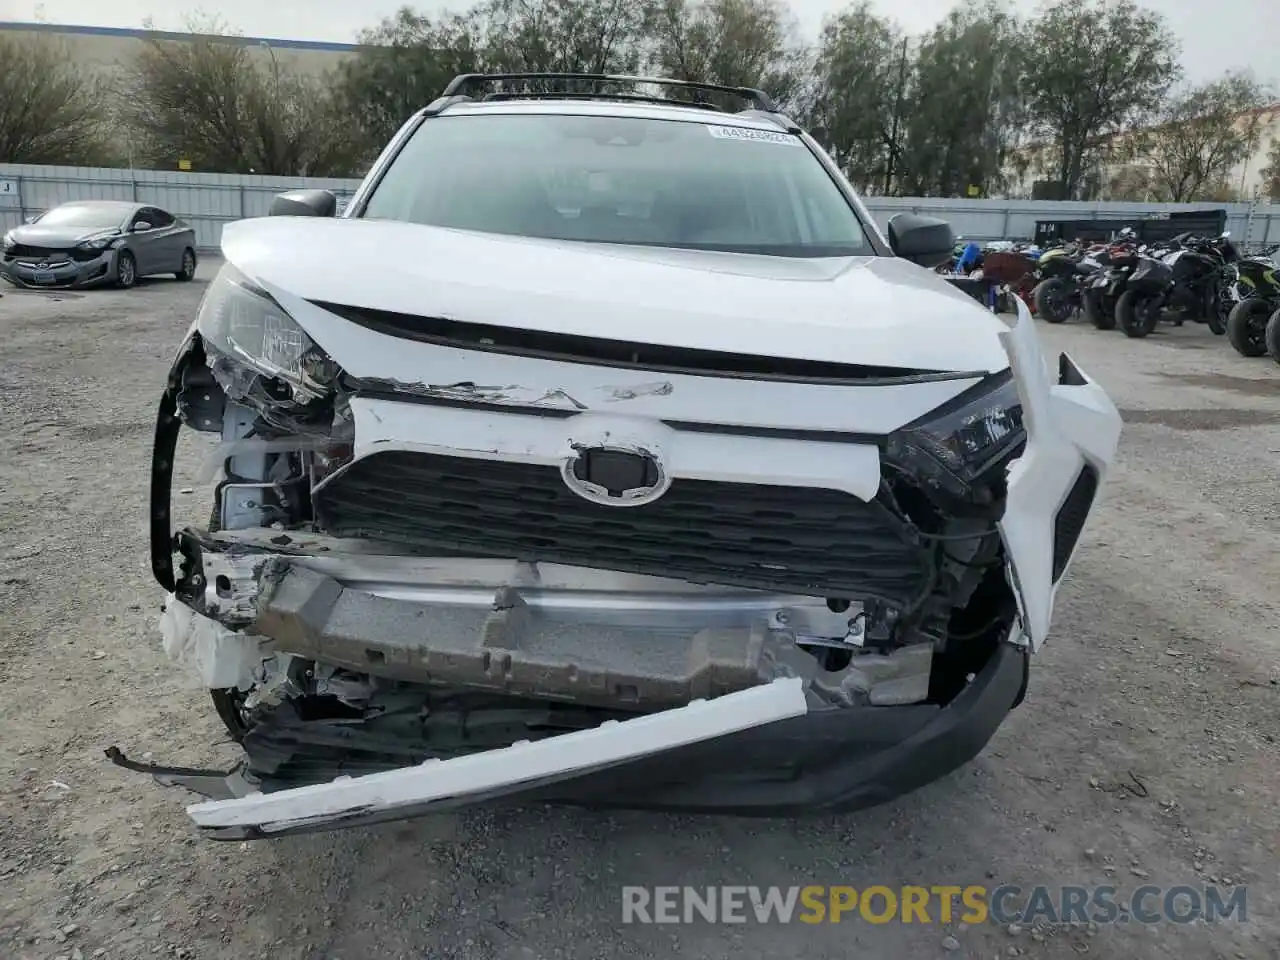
x=1216, y=34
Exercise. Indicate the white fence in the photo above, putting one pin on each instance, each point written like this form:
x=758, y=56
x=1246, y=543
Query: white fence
x=208, y=200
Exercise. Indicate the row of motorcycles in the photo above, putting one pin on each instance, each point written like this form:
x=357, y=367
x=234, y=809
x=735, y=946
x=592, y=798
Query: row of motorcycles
x=1137, y=286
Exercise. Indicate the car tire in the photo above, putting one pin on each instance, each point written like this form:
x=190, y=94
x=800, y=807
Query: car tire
x=1247, y=326
x=1050, y=298
x=126, y=270
x=1133, y=319
x=188, y=271
x=1095, y=308
x=1273, y=336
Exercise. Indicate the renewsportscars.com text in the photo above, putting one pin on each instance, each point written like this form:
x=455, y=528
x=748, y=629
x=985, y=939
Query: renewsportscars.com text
x=972, y=904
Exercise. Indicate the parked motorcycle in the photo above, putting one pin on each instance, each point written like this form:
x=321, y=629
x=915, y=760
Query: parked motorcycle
x=1258, y=288
x=1192, y=283
x=1103, y=292
x=1064, y=274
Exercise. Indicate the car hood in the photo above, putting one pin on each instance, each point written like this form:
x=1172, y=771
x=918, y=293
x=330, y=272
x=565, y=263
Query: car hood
x=879, y=311
x=35, y=235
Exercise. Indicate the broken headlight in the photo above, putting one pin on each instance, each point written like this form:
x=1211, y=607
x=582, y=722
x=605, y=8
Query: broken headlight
x=242, y=322
x=98, y=243
x=962, y=440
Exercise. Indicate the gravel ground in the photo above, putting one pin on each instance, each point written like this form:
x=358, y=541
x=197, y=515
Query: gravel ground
x=1145, y=753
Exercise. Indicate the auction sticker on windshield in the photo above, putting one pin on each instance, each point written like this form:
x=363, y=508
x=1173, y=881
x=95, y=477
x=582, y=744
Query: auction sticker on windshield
x=747, y=133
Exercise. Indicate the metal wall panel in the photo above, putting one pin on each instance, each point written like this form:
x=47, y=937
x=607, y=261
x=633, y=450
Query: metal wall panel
x=208, y=200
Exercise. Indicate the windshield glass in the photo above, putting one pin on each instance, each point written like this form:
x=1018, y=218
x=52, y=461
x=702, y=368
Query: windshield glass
x=83, y=215
x=626, y=180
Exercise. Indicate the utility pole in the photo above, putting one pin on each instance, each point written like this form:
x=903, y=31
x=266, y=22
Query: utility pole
x=891, y=166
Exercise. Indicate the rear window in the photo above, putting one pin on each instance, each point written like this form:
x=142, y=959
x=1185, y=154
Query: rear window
x=625, y=180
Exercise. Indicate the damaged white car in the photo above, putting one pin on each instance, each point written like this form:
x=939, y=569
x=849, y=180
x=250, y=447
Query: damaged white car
x=603, y=451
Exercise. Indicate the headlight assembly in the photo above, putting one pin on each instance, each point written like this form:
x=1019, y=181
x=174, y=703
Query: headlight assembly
x=96, y=243
x=962, y=440
x=8, y=241
x=240, y=321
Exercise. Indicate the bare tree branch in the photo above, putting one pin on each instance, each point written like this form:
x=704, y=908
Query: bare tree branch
x=50, y=112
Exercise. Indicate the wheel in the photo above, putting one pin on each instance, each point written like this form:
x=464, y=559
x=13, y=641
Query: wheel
x=1051, y=300
x=1272, y=336
x=1095, y=308
x=1217, y=315
x=126, y=270
x=188, y=270
x=1247, y=326
x=1137, y=313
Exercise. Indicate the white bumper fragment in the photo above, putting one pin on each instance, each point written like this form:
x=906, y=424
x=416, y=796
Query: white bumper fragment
x=1068, y=426
x=522, y=764
x=222, y=658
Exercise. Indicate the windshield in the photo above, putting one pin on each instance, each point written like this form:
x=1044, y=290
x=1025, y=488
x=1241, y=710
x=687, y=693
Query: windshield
x=626, y=180
x=82, y=215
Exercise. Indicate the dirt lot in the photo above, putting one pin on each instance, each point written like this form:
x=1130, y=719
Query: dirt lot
x=1146, y=752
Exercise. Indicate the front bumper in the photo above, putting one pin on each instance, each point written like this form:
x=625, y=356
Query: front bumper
x=758, y=752
x=61, y=272
x=722, y=734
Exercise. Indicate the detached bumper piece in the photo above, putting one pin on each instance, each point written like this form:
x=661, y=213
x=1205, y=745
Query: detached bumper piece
x=494, y=773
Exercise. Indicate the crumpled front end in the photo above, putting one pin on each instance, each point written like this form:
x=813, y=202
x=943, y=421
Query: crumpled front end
x=586, y=571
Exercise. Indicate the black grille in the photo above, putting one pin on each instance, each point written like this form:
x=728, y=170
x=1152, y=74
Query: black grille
x=24, y=252
x=813, y=542
x=1069, y=522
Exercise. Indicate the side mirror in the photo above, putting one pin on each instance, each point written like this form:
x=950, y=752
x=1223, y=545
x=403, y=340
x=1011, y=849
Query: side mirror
x=33, y=218
x=923, y=240
x=304, y=203
x=142, y=226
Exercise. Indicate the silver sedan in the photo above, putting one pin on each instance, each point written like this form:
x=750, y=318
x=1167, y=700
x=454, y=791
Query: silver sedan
x=89, y=242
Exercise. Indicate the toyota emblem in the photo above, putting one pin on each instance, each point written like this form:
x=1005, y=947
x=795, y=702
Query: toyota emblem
x=615, y=478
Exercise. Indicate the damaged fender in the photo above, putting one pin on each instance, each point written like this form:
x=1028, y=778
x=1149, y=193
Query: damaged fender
x=1072, y=427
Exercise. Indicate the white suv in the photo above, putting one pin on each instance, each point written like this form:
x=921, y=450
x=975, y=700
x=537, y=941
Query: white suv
x=603, y=451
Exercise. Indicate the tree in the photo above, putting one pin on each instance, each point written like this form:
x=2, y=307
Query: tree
x=859, y=82
x=402, y=65
x=50, y=112
x=1132, y=182
x=561, y=36
x=965, y=111
x=207, y=101
x=748, y=43
x=1271, y=173
x=1094, y=68
x=407, y=60
x=1203, y=133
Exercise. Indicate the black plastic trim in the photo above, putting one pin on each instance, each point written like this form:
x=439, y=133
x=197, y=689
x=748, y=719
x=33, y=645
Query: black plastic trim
x=605, y=352
x=757, y=98
x=1068, y=522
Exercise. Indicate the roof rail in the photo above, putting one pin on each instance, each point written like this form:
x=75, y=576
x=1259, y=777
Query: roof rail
x=565, y=95
x=758, y=98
